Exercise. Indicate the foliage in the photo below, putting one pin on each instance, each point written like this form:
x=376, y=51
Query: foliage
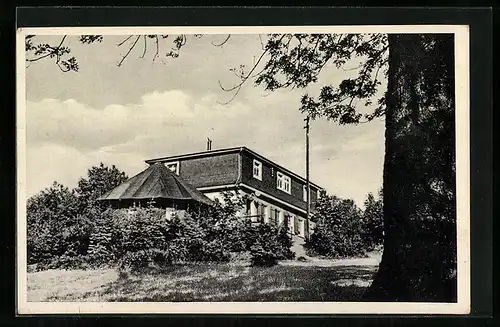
x=140, y=237
x=61, y=54
x=268, y=244
x=57, y=52
x=63, y=222
x=339, y=228
x=373, y=221
x=67, y=262
x=220, y=222
x=296, y=60
x=209, y=235
x=54, y=227
x=105, y=240
x=100, y=179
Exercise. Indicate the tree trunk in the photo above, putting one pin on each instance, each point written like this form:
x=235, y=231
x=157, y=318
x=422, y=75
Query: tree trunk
x=419, y=173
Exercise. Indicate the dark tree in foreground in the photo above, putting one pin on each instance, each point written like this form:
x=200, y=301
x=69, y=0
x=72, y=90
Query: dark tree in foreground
x=419, y=260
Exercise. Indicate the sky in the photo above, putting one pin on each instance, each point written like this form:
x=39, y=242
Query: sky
x=149, y=108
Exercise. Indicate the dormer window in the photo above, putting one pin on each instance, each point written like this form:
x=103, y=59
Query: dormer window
x=257, y=169
x=173, y=166
x=283, y=182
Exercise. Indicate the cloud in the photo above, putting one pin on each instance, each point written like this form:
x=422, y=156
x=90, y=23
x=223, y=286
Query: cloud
x=47, y=163
x=66, y=137
x=74, y=124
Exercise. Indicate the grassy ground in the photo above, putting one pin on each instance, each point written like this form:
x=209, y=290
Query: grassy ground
x=289, y=281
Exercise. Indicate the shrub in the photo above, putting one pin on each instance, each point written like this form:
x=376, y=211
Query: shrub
x=66, y=262
x=373, y=221
x=220, y=225
x=262, y=255
x=54, y=226
x=208, y=235
x=135, y=261
x=60, y=236
x=339, y=229
x=268, y=244
x=147, y=238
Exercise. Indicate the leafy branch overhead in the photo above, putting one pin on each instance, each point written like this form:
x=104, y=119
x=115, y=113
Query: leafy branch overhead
x=286, y=61
x=56, y=52
x=296, y=60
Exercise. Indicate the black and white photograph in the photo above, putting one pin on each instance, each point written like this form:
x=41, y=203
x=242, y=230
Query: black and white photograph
x=305, y=169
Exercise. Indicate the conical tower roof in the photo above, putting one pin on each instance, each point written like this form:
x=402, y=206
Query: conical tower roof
x=156, y=182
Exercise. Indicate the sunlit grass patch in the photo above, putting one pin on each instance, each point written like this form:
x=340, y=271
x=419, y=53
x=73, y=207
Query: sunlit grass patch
x=204, y=282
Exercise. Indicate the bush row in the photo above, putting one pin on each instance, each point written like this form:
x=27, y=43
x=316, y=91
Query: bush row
x=140, y=237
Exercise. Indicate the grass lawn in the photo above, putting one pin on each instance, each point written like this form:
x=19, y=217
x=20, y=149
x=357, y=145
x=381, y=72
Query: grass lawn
x=290, y=281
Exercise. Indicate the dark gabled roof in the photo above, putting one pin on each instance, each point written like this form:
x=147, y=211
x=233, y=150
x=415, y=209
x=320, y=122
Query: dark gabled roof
x=156, y=182
x=230, y=150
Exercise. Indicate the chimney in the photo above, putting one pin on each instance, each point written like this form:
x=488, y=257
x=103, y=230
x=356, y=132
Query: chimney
x=209, y=144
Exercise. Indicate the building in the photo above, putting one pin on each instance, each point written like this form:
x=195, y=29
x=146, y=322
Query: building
x=278, y=195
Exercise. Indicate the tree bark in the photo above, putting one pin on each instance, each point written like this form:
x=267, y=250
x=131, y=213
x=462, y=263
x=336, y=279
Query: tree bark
x=419, y=191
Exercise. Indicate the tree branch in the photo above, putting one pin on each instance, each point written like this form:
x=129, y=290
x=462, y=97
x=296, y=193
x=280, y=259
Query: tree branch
x=50, y=53
x=238, y=88
x=223, y=42
x=157, y=48
x=39, y=58
x=145, y=47
x=327, y=57
x=125, y=40
x=129, y=50
x=64, y=70
x=261, y=42
x=245, y=77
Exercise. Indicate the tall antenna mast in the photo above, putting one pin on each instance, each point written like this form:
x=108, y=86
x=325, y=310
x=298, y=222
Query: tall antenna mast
x=308, y=186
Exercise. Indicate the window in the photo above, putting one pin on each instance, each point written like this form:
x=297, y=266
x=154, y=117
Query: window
x=248, y=209
x=296, y=226
x=288, y=222
x=275, y=216
x=173, y=166
x=304, y=193
x=283, y=183
x=258, y=212
x=318, y=194
x=257, y=170
x=261, y=212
